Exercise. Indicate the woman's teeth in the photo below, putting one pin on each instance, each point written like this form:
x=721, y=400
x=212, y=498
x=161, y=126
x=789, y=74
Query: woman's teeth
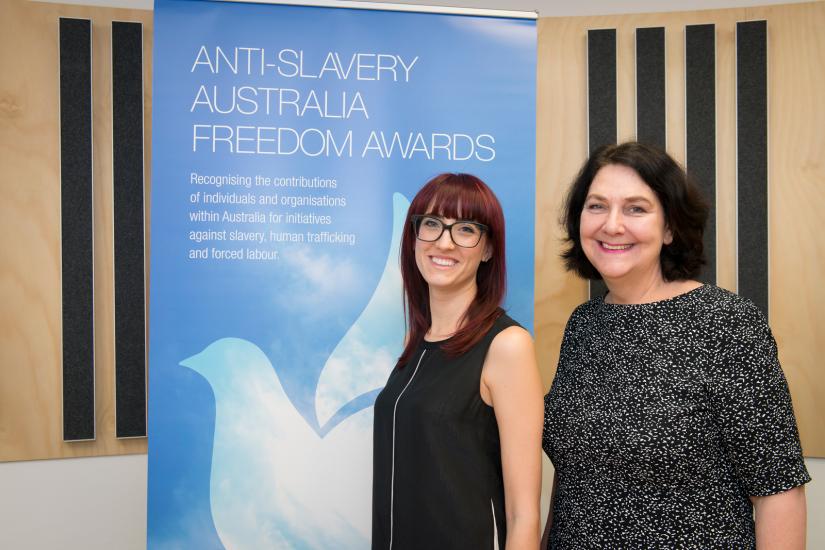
x=616, y=246
x=443, y=261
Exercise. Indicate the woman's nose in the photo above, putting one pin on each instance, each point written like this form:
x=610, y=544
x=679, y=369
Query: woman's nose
x=445, y=240
x=614, y=224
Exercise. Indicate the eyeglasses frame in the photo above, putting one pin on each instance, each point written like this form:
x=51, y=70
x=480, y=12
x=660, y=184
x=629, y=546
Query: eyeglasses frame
x=416, y=218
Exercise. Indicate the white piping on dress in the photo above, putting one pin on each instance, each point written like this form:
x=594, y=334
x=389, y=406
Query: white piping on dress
x=495, y=526
x=392, y=474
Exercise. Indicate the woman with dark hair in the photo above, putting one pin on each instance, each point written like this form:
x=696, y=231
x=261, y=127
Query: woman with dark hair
x=457, y=458
x=669, y=421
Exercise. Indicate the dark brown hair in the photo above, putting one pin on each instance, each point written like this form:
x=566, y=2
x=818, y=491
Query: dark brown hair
x=685, y=209
x=459, y=196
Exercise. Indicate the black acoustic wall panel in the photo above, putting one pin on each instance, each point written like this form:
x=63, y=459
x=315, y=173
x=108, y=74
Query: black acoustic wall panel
x=601, y=100
x=601, y=87
x=77, y=231
x=700, y=126
x=651, y=125
x=127, y=165
x=752, y=161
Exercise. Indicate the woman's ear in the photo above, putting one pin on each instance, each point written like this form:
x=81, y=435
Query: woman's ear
x=488, y=253
x=668, y=238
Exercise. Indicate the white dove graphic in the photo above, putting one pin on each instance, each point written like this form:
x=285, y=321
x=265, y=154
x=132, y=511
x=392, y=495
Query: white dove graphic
x=275, y=482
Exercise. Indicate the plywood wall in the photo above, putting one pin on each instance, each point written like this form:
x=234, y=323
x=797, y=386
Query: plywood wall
x=796, y=72
x=30, y=287
x=30, y=347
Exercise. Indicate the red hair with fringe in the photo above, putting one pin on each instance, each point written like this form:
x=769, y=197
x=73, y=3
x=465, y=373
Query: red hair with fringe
x=464, y=197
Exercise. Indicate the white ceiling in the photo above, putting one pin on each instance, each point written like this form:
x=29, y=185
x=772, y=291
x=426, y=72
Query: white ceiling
x=545, y=8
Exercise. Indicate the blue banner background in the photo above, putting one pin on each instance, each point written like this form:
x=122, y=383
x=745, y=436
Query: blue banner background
x=317, y=307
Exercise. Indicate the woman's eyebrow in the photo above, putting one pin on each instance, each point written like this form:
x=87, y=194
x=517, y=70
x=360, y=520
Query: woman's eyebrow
x=638, y=199
x=635, y=198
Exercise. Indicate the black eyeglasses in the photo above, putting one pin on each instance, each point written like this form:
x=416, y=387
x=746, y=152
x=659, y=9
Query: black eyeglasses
x=464, y=233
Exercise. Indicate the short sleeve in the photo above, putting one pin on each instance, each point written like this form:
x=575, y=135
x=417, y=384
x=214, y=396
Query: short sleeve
x=750, y=397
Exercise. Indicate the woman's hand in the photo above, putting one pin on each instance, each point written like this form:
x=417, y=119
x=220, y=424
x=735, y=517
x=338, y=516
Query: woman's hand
x=511, y=384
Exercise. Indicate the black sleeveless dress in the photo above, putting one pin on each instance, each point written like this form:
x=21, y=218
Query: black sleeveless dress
x=437, y=479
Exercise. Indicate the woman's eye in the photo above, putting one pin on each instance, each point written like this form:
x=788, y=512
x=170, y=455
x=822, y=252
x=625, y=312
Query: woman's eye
x=636, y=210
x=430, y=223
x=468, y=229
x=594, y=206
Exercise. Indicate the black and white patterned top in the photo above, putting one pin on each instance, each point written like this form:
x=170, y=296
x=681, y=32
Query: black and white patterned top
x=663, y=419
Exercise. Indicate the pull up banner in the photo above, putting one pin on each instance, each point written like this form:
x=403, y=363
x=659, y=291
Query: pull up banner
x=287, y=143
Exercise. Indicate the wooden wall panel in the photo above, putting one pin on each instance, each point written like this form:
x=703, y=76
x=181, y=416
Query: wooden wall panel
x=30, y=326
x=796, y=55
x=796, y=176
x=625, y=83
x=29, y=212
x=561, y=145
x=726, y=152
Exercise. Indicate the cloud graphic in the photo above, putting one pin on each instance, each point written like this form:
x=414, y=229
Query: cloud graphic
x=315, y=280
x=194, y=532
x=362, y=360
x=275, y=483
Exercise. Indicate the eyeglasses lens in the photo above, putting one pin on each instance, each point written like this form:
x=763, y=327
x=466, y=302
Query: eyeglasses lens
x=463, y=234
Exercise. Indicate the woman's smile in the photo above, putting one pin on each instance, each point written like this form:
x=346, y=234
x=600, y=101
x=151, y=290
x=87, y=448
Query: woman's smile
x=442, y=261
x=615, y=247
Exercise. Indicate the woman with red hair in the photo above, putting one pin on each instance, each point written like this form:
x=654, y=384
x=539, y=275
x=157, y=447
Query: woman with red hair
x=457, y=458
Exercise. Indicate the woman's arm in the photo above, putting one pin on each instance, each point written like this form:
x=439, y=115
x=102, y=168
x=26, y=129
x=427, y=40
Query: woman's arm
x=780, y=520
x=511, y=384
x=752, y=405
x=549, y=523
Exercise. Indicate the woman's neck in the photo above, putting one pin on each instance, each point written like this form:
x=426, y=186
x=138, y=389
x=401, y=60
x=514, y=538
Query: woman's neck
x=447, y=309
x=653, y=290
